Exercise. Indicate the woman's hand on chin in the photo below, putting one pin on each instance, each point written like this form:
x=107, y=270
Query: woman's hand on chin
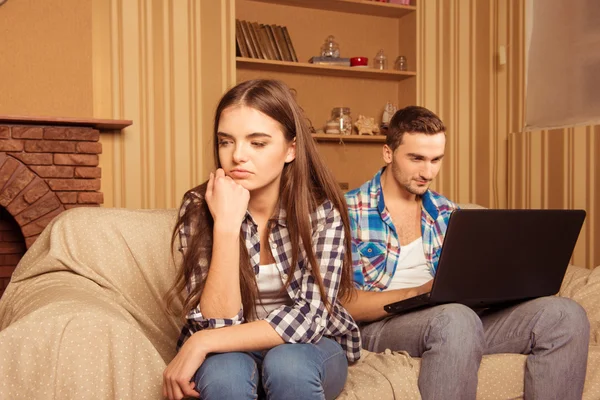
x=227, y=200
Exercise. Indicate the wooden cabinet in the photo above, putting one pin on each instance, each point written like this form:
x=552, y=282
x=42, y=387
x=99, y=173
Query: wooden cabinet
x=361, y=28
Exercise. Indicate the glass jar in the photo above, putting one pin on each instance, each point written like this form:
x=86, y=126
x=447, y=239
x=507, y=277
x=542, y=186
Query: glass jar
x=380, y=60
x=401, y=64
x=330, y=48
x=343, y=120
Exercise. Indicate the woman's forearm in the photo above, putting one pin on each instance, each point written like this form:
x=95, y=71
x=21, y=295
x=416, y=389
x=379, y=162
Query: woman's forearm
x=251, y=336
x=221, y=297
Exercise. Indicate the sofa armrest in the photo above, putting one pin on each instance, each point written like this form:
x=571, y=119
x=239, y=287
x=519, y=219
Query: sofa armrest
x=71, y=340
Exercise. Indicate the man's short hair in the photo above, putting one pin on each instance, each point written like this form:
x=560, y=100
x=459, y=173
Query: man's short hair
x=412, y=119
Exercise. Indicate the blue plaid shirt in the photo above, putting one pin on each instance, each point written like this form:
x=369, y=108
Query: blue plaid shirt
x=375, y=243
x=307, y=319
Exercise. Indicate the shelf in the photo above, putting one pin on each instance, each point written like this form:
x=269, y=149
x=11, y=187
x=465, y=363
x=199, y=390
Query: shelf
x=323, y=70
x=350, y=6
x=100, y=124
x=325, y=137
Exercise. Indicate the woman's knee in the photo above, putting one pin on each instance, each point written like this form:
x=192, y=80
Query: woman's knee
x=228, y=376
x=291, y=362
x=306, y=370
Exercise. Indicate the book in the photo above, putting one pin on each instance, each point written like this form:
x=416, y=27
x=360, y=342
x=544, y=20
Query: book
x=265, y=42
x=239, y=40
x=340, y=61
x=278, y=55
x=288, y=41
x=259, y=40
x=255, y=41
x=281, y=44
x=248, y=39
x=269, y=41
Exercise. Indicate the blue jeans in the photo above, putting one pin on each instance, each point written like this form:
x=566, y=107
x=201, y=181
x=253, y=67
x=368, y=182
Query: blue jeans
x=553, y=332
x=288, y=371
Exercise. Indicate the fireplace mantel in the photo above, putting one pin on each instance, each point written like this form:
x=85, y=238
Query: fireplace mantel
x=100, y=124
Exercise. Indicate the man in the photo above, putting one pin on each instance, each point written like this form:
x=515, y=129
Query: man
x=398, y=226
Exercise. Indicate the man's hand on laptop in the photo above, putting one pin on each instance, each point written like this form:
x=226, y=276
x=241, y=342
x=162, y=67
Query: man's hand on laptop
x=419, y=290
x=368, y=306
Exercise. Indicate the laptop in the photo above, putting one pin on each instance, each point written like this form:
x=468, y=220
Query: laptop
x=495, y=258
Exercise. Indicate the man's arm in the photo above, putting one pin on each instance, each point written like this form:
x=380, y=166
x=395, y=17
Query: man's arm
x=366, y=306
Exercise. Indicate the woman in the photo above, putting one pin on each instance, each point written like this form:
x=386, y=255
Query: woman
x=266, y=260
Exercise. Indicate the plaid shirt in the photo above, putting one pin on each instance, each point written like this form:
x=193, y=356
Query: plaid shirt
x=375, y=244
x=307, y=319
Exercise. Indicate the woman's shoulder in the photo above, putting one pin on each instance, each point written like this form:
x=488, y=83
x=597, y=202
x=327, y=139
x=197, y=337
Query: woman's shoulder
x=325, y=212
x=193, y=201
x=194, y=195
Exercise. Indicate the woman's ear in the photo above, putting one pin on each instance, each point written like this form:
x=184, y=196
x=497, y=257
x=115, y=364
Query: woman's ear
x=291, y=154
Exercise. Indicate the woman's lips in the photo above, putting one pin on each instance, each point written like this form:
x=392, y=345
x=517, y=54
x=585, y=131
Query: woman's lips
x=239, y=174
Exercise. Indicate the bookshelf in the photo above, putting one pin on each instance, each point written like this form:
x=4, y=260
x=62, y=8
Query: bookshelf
x=361, y=28
x=361, y=7
x=322, y=70
x=323, y=137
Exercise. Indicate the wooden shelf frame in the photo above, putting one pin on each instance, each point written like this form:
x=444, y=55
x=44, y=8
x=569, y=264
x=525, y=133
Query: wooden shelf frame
x=96, y=123
x=323, y=70
x=326, y=137
x=350, y=6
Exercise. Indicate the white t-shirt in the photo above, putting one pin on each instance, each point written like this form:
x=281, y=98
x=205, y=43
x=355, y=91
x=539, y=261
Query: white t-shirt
x=412, y=269
x=270, y=290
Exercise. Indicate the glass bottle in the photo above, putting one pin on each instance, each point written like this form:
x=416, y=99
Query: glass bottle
x=380, y=60
x=330, y=48
x=341, y=115
x=401, y=64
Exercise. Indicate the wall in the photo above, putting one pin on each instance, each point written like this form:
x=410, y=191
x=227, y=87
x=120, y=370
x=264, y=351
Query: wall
x=488, y=160
x=480, y=100
x=46, y=58
x=559, y=169
x=161, y=64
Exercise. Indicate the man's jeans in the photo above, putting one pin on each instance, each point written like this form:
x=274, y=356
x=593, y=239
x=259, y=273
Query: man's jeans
x=287, y=371
x=452, y=338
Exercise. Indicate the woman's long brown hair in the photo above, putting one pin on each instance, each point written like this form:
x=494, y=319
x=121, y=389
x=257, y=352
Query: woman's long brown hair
x=305, y=183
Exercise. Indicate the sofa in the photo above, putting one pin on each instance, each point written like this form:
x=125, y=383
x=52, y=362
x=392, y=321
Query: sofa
x=83, y=317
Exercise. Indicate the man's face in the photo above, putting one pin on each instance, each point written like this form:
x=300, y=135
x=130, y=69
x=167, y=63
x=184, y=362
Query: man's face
x=417, y=161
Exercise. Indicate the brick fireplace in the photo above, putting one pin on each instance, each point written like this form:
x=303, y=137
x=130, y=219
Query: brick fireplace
x=47, y=165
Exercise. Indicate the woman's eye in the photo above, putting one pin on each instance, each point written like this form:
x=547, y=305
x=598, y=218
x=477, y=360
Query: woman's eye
x=259, y=144
x=223, y=142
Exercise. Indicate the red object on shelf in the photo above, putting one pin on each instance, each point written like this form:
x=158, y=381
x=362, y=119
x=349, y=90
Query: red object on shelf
x=359, y=62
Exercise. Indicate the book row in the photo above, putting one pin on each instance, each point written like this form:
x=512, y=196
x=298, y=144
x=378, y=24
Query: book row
x=267, y=42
